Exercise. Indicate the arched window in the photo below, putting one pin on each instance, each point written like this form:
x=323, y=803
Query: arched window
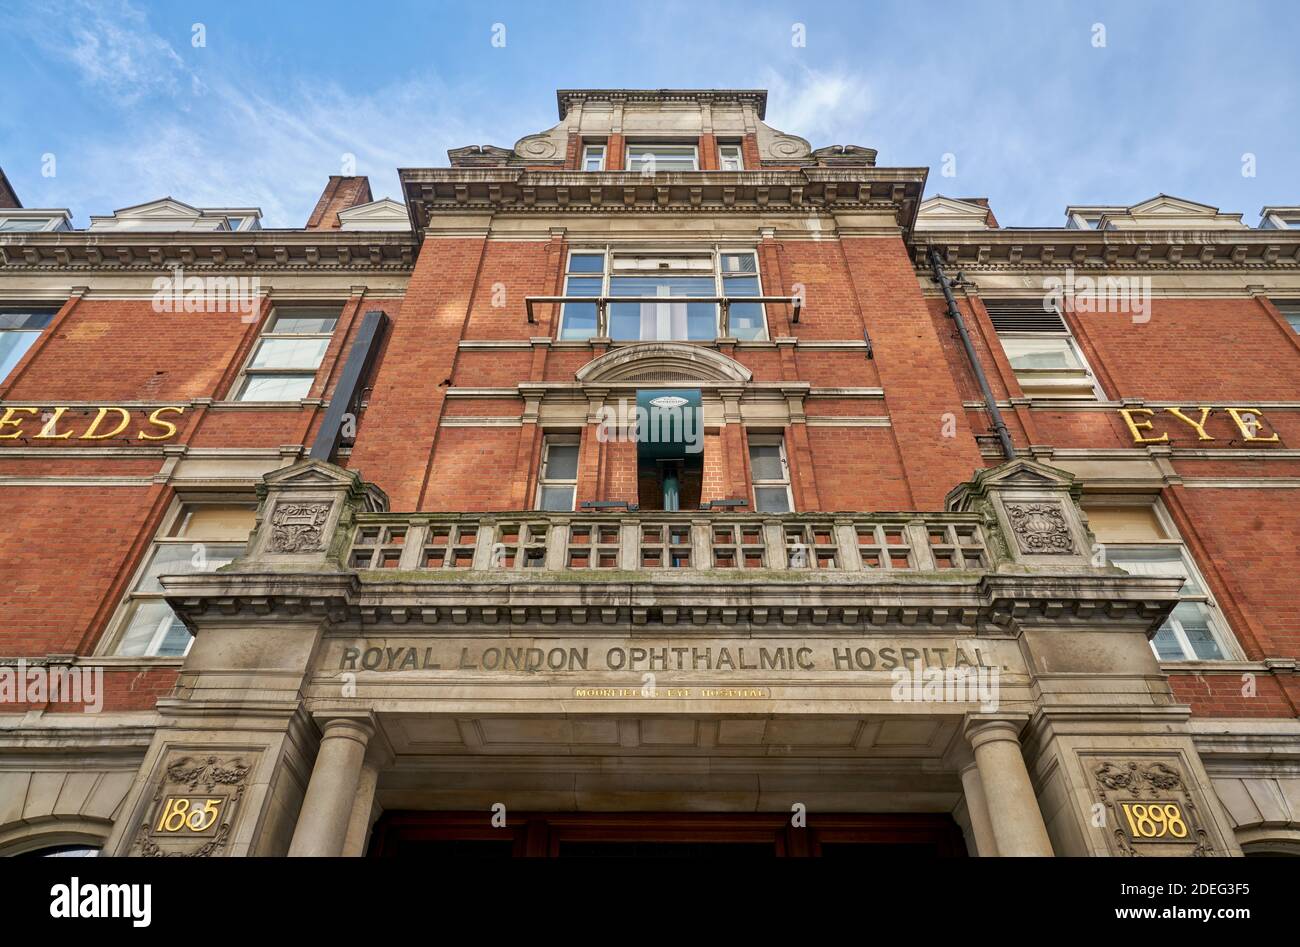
x=63, y=851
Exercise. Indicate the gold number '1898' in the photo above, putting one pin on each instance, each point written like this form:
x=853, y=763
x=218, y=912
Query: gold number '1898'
x=1154, y=820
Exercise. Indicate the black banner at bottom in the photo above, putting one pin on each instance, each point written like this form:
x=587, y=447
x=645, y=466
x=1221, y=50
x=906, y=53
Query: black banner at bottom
x=605, y=896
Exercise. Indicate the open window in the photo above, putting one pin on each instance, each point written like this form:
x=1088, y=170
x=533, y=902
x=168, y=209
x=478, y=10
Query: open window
x=770, y=472
x=557, y=482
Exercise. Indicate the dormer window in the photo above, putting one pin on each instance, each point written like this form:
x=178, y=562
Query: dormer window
x=1280, y=218
x=173, y=216
x=34, y=221
x=1085, y=221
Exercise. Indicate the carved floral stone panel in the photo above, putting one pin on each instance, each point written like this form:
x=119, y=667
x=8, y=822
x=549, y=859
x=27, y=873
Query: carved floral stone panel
x=194, y=807
x=1149, y=809
x=1040, y=528
x=296, y=526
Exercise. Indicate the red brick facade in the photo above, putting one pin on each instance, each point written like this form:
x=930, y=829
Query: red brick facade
x=70, y=546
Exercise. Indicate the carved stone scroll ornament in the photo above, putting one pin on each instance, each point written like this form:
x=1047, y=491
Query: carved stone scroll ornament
x=537, y=146
x=297, y=526
x=1118, y=782
x=1040, y=528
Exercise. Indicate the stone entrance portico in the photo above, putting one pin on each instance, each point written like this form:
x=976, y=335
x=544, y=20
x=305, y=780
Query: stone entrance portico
x=969, y=662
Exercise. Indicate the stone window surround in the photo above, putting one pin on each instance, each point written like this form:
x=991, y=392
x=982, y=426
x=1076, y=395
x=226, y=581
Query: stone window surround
x=614, y=376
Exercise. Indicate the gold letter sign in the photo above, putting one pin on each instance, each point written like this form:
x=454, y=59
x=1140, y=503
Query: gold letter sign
x=107, y=423
x=1249, y=423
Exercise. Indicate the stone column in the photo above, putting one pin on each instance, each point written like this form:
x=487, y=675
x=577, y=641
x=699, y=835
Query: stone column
x=364, y=809
x=977, y=810
x=327, y=809
x=1013, y=812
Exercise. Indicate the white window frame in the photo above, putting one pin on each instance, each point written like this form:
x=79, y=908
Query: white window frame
x=35, y=333
x=1280, y=218
x=1290, y=312
x=171, y=521
x=1218, y=623
x=716, y=252
x=738, y=156
x=288, y=311
x=35, y=220
x=769, y=440
x=665, y=146
x=1044, y=374
x=588, y=151
x=543, y=481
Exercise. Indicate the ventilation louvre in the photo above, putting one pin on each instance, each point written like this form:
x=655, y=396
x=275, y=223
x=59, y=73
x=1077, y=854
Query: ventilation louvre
x=1024, y=317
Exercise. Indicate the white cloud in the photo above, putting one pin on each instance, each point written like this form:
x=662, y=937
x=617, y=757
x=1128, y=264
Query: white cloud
x=111, y=46
x=816, y=105
x=246, y=147
x=231, y=139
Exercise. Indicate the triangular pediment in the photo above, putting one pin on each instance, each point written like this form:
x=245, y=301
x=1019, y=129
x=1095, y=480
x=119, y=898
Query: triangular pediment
x=1014, y=473
x=311, y=472
x=1162, y=212
x=1168, y=205
x=167, y=207
x=383, y=214
x=941, y=212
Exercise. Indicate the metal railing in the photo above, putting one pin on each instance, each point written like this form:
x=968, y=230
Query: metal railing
x=724, y=304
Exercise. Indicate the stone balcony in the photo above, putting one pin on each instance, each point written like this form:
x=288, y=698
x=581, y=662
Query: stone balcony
x=591, y=546
x=1011, y=548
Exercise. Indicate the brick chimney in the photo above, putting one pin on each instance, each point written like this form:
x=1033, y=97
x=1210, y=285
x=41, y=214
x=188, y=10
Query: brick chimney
x=339, y=194
x=983, y=202
x=8, y=197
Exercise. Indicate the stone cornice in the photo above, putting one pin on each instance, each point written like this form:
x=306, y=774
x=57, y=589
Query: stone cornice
x=1055, y=249
x=263, y=250
x=566, y=98
x=434, y=192
x=987, y=604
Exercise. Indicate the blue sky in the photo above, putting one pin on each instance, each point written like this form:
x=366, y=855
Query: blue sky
x=1035, y=114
